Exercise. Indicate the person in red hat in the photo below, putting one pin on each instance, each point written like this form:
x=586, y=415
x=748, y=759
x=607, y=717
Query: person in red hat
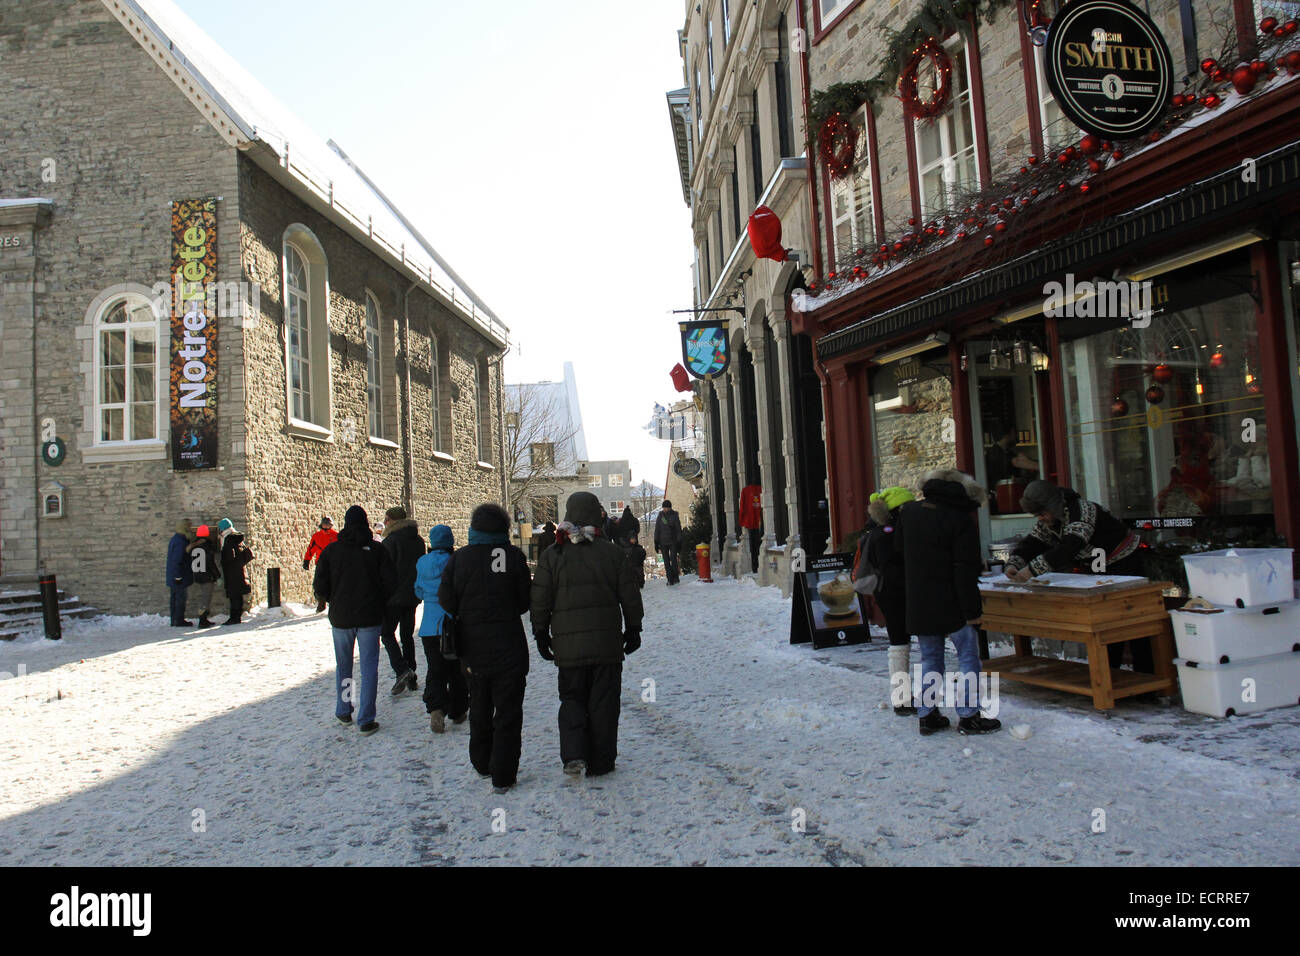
x=321, y=540
x=205, y=561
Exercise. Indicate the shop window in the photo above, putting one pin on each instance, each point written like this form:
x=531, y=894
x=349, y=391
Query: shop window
x=374, y=368
x=616, y=481
x=852, y=209
x=126, y=371
x=911, y=421
x=1168, y=421
x=595, y=481
x=306, y=336
x=616, y=508
x=946, y=160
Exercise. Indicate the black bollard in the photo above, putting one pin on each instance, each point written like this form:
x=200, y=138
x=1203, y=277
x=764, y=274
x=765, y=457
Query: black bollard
x=272, y=587
x=50, y=608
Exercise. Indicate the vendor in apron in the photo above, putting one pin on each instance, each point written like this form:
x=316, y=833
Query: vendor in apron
x=1069, y=531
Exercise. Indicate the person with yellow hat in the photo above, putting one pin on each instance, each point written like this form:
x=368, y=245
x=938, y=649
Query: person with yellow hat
x=883, y=551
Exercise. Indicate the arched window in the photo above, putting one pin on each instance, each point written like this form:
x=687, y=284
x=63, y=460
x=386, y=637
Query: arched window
x=374, y=368
x=306, y=333
x=126, y=371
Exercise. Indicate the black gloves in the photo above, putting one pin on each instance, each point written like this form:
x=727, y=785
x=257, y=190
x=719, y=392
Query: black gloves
x=631, y=640
x=306, y=563
x=543, y=639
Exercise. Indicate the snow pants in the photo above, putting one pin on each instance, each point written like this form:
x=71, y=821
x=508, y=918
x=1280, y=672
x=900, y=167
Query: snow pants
x=402, y=659
x=444, y=686
x=589, y=709
x=496, y=724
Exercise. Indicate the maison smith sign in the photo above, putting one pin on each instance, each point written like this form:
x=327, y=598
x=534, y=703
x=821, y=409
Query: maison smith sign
x=1109, y=68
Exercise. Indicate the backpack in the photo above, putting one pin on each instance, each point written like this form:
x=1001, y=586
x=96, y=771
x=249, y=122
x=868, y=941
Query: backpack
x=866, y=576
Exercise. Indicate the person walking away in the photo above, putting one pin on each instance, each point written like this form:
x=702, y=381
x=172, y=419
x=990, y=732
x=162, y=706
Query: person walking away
x=355, y=577
x=628, y=529
x=883, y=549
x=405, y=546
x=179, y=575
x=586, y=617
x=1065, y=538
x=322, y=539
x=941, y=554
x=205, y=562
x=668, y=538
x=445, y=692
x=485, y=588
x=235, y=556
x=546, y=538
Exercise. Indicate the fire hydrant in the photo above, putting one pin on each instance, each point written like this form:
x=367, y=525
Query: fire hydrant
x=702, y=563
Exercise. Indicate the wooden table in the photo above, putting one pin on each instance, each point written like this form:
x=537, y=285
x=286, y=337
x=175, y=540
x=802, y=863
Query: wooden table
x=1094, y=617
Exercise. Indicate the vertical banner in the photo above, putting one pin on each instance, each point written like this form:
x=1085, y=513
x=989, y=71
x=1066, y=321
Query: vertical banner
x=193, y=379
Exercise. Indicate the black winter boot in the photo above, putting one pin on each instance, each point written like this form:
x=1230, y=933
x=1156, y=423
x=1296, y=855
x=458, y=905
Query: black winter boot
x=933, y=722
x=977, y=724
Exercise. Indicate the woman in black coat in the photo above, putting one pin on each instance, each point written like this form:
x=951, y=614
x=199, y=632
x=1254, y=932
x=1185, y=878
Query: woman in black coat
x=235, y=556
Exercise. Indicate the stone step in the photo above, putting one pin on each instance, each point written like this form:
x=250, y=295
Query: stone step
x=27, y=608
x=25, y=597
x=11, y=627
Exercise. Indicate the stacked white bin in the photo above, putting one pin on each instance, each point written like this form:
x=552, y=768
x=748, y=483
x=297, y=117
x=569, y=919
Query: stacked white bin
x=1242, y=655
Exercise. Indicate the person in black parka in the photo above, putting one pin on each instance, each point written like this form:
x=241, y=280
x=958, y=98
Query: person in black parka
x=628, y=529
x=485, y=588
x=586, y=616
x=546, y=538
x=405, y=546
x=941, y=555
x=235, y=556
x=668, y=538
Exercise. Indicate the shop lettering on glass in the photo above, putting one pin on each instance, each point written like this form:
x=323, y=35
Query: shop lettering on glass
x=193, y=378
x=907, y=371
x=1108, y=67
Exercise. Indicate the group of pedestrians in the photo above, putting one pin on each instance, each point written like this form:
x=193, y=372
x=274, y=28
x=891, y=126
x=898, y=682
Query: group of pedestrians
x=203, y=556
x=586, y=613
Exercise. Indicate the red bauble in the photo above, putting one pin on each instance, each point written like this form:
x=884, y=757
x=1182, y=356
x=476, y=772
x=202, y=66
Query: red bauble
x=988, y=240
x=1216, y=360
x=911, y=221
x=1084, y=187
x=1118, y=407
x=1259, y=67
x=1243, y=79
x=1162, y=374
x=1280, y=32
x=1033, y=160
x=1090, y=145
x=1209, y=65
x=1292, y=61
x=1210, y=101
x=1061, y=188
x=1000, y=227
x=1117, y=154
x=1094, y=165
x=832, y=275
x=961, y=235
x=1253, y=387
x=1155, y=394
x=1267, y=25
x=1024, y=170
x=1290, y=27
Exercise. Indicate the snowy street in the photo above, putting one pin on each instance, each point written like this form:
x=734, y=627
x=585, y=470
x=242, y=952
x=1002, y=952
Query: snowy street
x=134, y=743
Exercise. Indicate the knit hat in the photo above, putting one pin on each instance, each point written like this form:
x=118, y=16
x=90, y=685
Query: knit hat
x=668, y=504
x=204, y=531
x=184, y=527
x=490, y=518
x=583, y=510
x=324, y=520
x=1043, y=496
x=225, y=524
x=883, y=502
x=397, y=513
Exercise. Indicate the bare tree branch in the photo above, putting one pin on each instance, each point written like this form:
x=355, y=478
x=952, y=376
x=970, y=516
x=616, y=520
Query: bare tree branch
x=539, y=440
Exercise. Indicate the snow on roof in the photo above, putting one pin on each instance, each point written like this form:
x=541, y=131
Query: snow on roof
x=311, y=161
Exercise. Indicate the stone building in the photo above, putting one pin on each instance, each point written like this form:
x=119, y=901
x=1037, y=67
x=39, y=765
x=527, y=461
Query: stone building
x=973, y=255
x=208, y=312
x=740, y=135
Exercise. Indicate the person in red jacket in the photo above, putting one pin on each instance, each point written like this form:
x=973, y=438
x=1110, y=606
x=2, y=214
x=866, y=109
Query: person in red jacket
x=319, y=542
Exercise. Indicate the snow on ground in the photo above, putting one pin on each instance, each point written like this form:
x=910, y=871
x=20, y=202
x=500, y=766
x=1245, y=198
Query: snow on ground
x=119, y=741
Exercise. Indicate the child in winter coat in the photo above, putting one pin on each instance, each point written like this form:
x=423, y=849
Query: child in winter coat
x=445, y=692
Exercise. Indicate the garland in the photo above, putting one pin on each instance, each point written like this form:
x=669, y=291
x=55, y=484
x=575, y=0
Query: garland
x=984, y=215
x=938, y=102
x=936, y=19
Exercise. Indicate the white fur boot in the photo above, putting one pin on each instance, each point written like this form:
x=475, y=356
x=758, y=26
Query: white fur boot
x=900, y=680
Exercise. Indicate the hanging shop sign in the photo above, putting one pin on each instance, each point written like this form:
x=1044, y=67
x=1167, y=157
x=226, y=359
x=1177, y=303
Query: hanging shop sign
x=687, y=468
x=706, y=350
x=193, y=378
x=1109, y=67
x=826, y=610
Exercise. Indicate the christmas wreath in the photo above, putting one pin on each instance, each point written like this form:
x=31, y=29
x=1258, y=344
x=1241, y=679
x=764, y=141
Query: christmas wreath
x=838, y=145
x=907, y=84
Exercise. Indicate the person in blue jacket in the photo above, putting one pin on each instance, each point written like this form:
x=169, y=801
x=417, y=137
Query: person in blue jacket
x=445, y=691
x=179, y=574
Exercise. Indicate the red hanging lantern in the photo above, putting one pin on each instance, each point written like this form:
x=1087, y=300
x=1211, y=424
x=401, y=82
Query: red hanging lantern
x=1162, y=374
x=765, y=235
x=681, y=381
x=1155, y=394
x=1216, y=360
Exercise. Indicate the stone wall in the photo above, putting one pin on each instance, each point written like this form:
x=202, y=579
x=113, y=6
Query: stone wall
x=909, y=444
x=117, y=142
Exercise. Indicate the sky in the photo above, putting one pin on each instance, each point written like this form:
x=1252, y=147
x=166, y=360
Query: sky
x=530, y=142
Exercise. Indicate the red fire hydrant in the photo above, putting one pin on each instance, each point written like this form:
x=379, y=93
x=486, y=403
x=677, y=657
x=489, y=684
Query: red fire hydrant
x=702, y=563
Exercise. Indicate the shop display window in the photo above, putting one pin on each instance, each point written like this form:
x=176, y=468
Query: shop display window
x=1167, y=422
x=911, y=405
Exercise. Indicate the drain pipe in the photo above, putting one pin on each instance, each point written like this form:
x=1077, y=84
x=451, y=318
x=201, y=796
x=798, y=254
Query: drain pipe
x=408, y=452
x=808, y=140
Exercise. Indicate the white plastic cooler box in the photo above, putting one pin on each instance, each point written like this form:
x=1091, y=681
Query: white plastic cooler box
x=1250, y=575
x=1230, y=633
x=1241, y=687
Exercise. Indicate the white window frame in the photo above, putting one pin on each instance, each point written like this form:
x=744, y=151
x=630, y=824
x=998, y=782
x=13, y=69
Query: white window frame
x=616, y=481
x=297, y=318
x=708, y=38
x=1057, y=130
x=825, y=17
x=435, y=395
x=161, y=335
x=482, y=410
x=726, y=24
x=616, y=508
x=948, y=157
x=317, y=421
x=596, y=481
x=859, y=212
x=699, y=106
x=374, y=367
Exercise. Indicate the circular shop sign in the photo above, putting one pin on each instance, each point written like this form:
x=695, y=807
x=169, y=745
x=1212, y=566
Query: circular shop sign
x=687, y=468
x=53, y=452
x=1108, y=67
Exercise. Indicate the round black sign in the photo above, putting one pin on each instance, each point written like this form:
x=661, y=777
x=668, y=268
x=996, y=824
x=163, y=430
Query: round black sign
x=1108, y=67
x=53, y=452
x=687, y=468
